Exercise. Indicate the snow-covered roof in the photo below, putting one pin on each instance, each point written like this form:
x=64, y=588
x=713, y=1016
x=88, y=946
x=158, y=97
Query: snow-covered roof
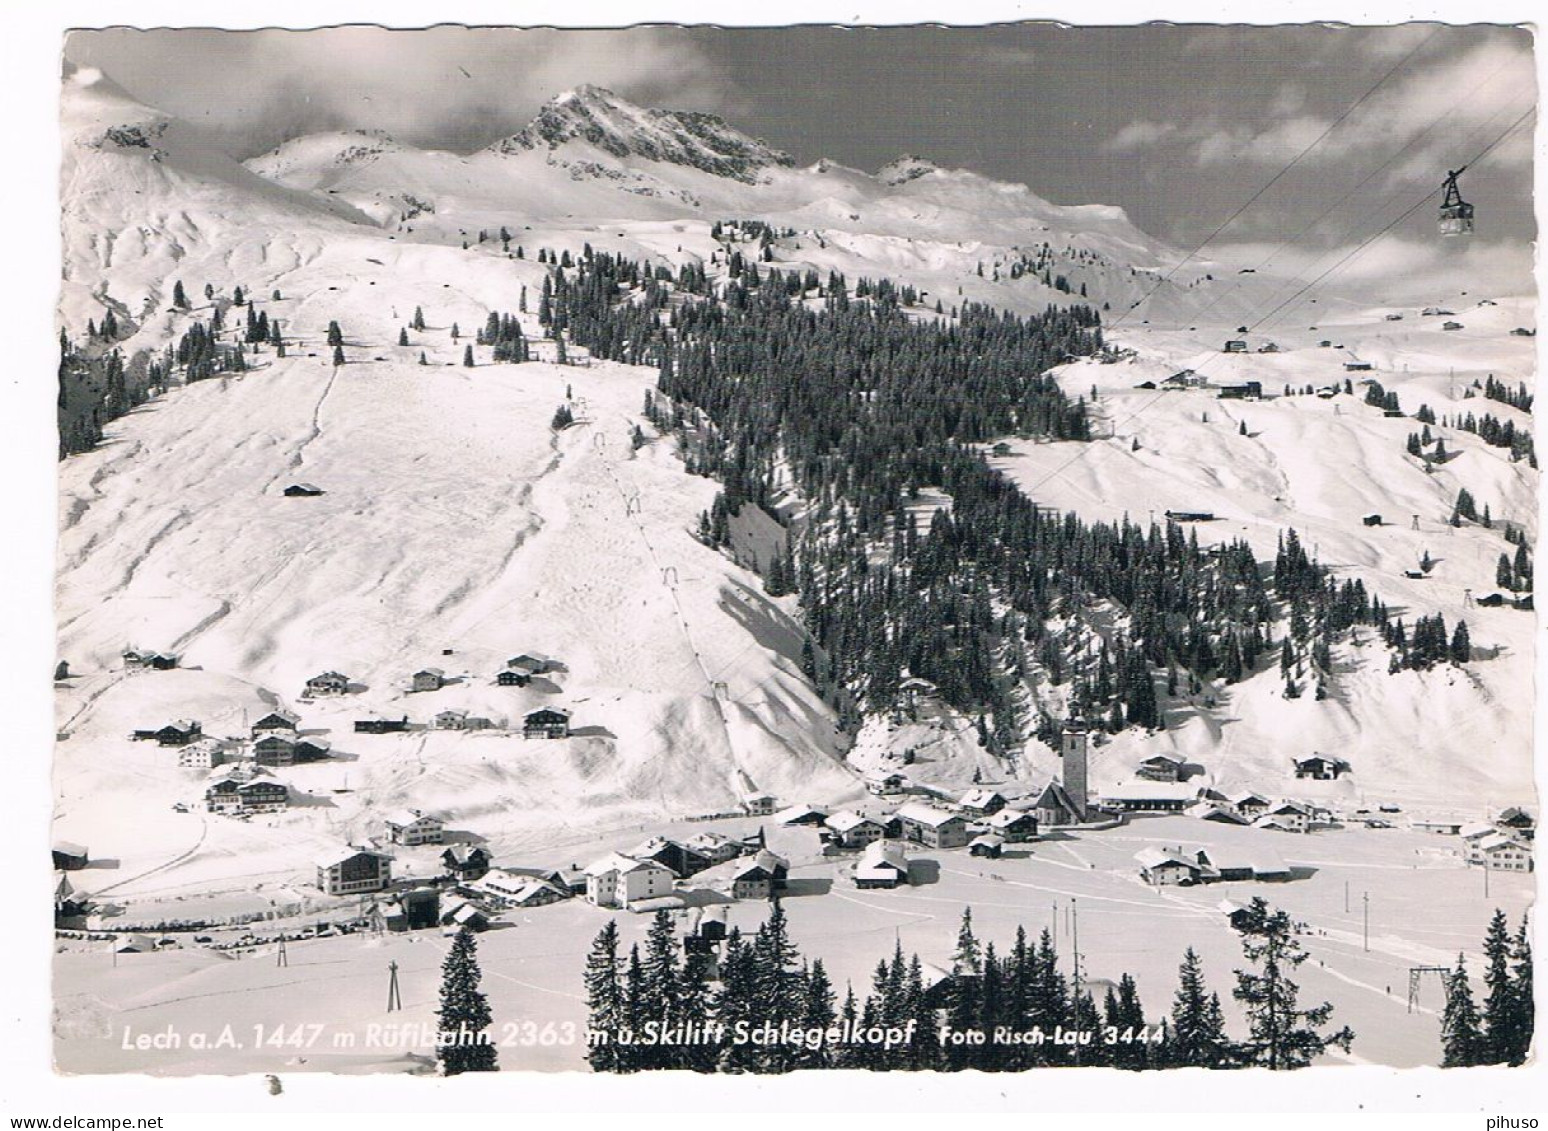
x=884, y=853
x=979, y=798
x=1498, y=841
x=403, y=818
x=988, y=840
x=439, y=673
x=1208, y=809
x=69, y=848
x=849, y=820
x=799, y=812
x=1007, y=817
x=346, y=852
x=1168, y=759
x=926, y=815
x=1151, y=791
x=1153, y=857
x=618, y=862
x=289, y=718
x=1477, y=829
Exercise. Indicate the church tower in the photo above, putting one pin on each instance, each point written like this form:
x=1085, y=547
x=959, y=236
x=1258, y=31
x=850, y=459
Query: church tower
x=1072, y=764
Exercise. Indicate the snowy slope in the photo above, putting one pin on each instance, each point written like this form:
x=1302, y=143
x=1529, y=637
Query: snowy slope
x=1446, y=737
x=455, y=519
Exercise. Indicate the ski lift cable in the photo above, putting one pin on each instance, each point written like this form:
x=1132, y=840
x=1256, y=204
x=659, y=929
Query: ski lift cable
x=1420, y=203
x=1086, y=449
x=1321, y=216
x=1370, y=218
x=1272, y=181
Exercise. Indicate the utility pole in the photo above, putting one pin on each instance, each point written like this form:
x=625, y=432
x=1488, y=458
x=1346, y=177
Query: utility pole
x=1346, y=897
x=280, y=957
x=1366, y=897
x=394, y=999
x=1075, y=946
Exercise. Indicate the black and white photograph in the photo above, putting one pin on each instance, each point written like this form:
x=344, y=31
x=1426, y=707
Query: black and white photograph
x=739, y=551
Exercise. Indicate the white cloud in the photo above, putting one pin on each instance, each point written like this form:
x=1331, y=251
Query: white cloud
x=444, y=85
x=1139, y=135
x=1399, y=267
x=1449, y=109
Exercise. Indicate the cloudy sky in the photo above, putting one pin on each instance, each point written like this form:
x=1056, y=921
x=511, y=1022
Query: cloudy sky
x=1179, y=125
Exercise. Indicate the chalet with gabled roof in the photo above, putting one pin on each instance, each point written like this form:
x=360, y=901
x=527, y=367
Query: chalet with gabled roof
x=618, y=881
x=353, y=871
x=883, y=864
x=428, y=679
x=311, y=749
x=1320, y=768
x=276, y=722
x=799, y=814
x=378, y=725
x=410, y=827
x=978, y=803
x=327, y=683
x=882, y=783
x=275, y=748
x=851, y=830
x=136, y=660
x=759, y=804
x=1160, y=767
x=1291, y=816
x=987, y=845
x=1015, y=825
x=466, y=861
x=513, y=677
x=533, y=663
x=546, y=722
x=935, y=828
x=202, y=754
x=1501, y=853
x=681, y=859
x=1164, y=867
x=179, y=733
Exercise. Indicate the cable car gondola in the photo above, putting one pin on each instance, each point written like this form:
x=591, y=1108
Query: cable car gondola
x=1456, y=214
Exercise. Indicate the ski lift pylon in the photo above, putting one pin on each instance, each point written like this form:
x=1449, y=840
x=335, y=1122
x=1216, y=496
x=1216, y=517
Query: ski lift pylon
x=1456, y=214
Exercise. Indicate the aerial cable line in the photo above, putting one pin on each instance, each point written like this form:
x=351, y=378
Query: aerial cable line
x=1371, y=217
x=1425, y=199
x=1289, y=240
x=1294, y=161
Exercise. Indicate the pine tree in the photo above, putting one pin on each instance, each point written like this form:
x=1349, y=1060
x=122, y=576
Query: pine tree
x=1282, y=1036
x=1461, y=1038
x=1196, y=1038
x=467, y=356
x=419, y=319
x=1508, y=1008
x=422, y=359
x=403, y=337
x=1521, y=992
x=605, y=1002
x=335, y=335
x=338, y=355
x=179, y=299
x=464, y=1017
x=1461, y=644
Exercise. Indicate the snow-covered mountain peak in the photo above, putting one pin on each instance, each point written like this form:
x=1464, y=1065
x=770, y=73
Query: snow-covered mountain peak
x=602, y=119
